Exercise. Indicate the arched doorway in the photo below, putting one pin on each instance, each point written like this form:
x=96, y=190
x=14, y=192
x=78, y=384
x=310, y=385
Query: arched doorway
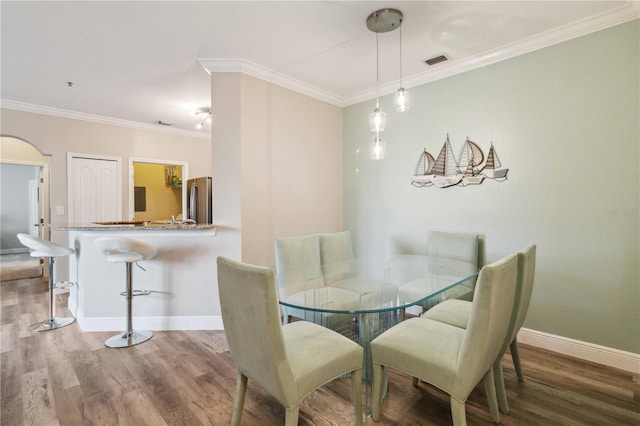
x=24, y=207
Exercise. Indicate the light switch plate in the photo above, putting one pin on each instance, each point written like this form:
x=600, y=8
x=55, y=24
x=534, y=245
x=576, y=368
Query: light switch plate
x=59, y=210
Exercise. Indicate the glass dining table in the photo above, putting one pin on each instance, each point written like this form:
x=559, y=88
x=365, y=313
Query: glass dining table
x=362, y=306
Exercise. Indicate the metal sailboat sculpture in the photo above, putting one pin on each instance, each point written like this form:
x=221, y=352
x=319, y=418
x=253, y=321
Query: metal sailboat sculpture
x=471, y=157
x=446, y=170
x=442, y=172
x=491, y=168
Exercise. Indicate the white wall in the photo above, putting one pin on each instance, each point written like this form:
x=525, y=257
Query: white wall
x=565, y=121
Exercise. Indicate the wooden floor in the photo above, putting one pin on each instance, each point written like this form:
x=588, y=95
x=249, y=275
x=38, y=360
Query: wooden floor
x=68, y=377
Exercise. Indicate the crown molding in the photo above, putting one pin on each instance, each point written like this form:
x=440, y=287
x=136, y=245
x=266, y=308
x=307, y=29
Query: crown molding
x=74, y=115
x=620, y=15
x=626, y=13
x=240, y=65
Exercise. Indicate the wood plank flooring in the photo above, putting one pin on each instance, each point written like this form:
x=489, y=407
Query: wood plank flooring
x=68, y=377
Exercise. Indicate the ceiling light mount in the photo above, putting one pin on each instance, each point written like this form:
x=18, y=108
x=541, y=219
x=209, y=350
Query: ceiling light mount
x=384, y=20
x=205, y=113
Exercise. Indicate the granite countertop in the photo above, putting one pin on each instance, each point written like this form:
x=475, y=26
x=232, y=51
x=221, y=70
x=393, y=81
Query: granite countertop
x=132, y=226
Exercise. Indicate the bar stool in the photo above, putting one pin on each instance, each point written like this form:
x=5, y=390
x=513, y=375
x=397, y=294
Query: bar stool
x=44, y=248
x=129, y=251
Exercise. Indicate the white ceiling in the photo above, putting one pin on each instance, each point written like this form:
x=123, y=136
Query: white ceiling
x=134, y=63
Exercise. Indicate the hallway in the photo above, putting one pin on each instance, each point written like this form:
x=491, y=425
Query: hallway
x=19, y=266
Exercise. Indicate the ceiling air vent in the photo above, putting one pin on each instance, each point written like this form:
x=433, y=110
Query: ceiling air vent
x=163, y=123
x=436, y=60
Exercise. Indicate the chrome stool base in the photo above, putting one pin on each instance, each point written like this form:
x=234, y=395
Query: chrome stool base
x=125, y=339
x=51, y=324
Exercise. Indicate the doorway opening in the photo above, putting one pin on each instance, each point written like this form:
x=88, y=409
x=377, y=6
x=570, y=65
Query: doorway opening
x=24, y=206
x=156, y=190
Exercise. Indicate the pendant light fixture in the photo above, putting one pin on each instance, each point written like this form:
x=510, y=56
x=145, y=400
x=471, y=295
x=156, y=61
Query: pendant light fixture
x=401, y=99
x=377, y=119
x=380, y=21
x=377, y=148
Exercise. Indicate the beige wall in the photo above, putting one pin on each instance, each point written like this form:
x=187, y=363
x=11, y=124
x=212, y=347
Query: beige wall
x=57, y=136
x=288, y=148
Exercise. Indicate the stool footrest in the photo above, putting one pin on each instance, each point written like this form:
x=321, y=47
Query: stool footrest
x=63, y=285
x=137, y=293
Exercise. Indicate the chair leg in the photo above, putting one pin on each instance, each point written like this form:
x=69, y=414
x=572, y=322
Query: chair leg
x=376, y=396
x=458, y=413
x=238, y=400
x=490, y=390
x=356, y=395
x=501, y=392
x=291, y=418
x=516, y=359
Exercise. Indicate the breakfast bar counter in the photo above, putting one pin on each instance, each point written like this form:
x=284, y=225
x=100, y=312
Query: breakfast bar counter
x=181, y=278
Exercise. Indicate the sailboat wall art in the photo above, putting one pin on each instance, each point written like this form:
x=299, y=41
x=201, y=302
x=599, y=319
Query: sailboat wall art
x=470, y=167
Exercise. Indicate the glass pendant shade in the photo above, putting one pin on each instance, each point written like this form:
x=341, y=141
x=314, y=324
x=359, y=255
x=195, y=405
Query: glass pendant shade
x=378, y=148
x=377, y=120
x=402, y=100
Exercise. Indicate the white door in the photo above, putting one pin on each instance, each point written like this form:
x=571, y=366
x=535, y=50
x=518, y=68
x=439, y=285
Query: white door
x=34, y=206
x=94, y=189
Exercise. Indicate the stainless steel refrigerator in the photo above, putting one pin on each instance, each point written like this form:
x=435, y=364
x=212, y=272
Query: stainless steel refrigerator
x=199, y=200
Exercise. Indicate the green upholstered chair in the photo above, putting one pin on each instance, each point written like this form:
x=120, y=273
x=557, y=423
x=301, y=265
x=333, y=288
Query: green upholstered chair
x=298, y=268
x=339, y=266
x=289, y=361
x=452, y=246
x=448, y=357
x=336, y=257
x=457, y=312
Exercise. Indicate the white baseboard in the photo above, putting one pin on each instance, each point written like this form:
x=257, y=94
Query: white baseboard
x=213, y=322
x=151, y=323
x=627, y=361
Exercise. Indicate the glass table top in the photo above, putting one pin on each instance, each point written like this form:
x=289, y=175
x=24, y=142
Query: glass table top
x=406, y=281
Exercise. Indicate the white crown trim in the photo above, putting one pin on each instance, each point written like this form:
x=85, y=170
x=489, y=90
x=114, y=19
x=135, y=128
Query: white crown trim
x=611, y=18
x=263, y=73
x=627, y=361
x=63, y=113
x=620, y=15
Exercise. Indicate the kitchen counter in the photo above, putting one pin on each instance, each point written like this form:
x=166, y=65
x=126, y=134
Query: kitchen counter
x=133, y=226
x=181, y=278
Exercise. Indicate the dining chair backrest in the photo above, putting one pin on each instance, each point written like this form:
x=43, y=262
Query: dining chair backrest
x=488, y=322
x=526, y=272
x=336, y=254
x=298, y=264
x=251, y=317
x=457, y=246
